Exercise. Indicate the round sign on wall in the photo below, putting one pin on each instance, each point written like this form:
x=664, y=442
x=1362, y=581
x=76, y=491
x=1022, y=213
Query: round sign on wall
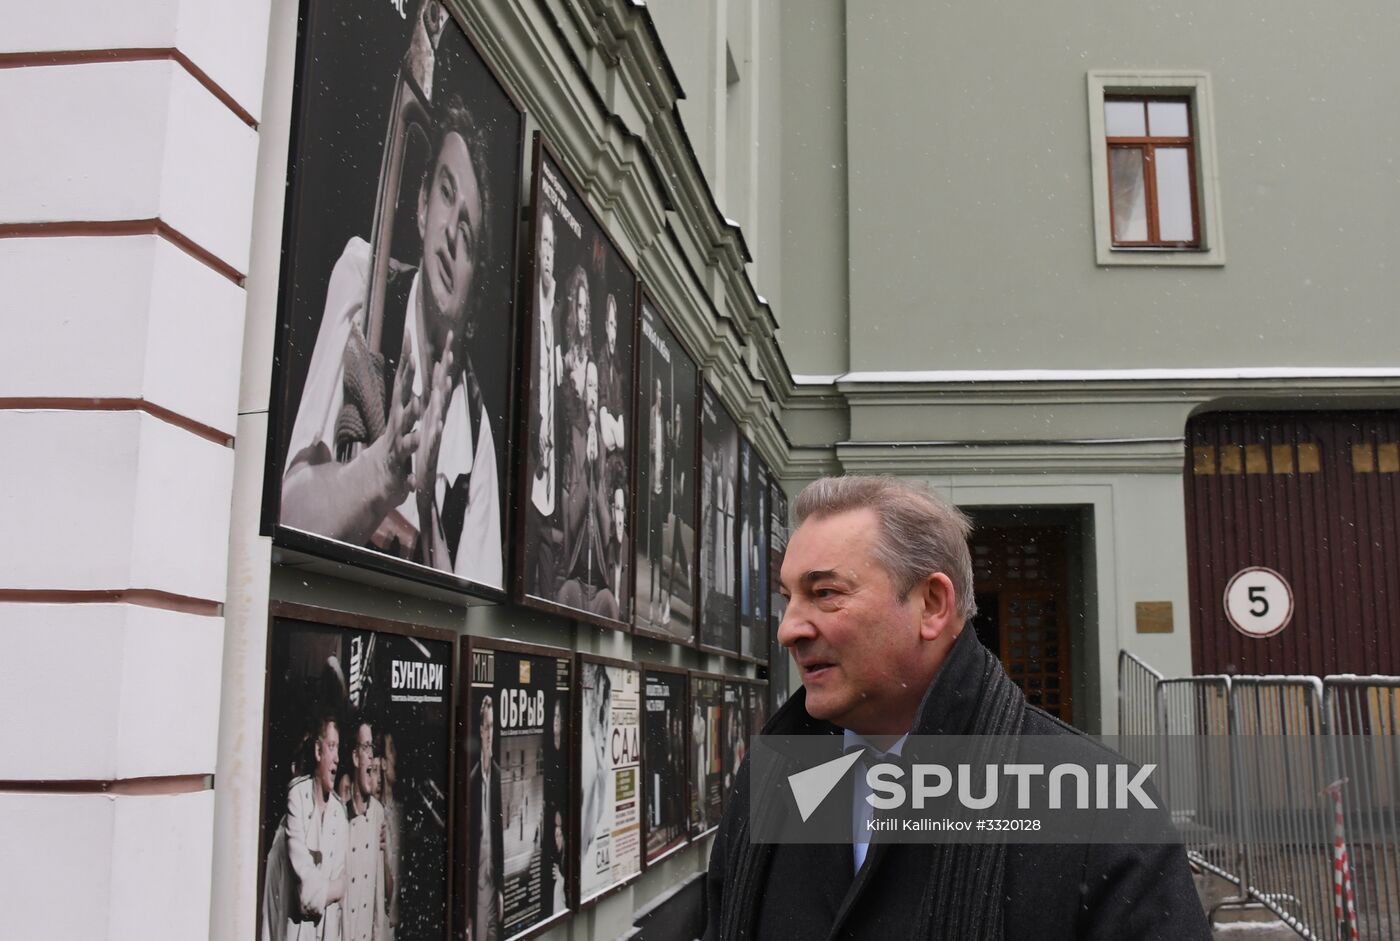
x=1258, y=602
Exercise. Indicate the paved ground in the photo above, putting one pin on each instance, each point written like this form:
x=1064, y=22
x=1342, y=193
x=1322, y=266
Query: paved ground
x=1240, y=925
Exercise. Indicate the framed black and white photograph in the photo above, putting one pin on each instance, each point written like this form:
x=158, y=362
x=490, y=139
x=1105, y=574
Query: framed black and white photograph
x=734, y=735
x=576, y=479
x=753, y=554
x=668, y=430
x=391, y=407
x=356, y=778
x=609, y=776
x=778, y=530
x=719, y=526
x=757, y=707
x=514, y=846
x=706, y=771
x=664, y=789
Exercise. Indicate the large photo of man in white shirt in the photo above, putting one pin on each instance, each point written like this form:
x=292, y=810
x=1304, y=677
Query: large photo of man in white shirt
x=390, y=423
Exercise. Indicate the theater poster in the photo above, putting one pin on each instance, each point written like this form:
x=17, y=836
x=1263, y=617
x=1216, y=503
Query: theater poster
x=719, y=526
x=778, y=528
x=664, y=743
x=757, y=707
x=391, y=409
x=577, y=551
x=753, y=554
x=610, y=776
x=668, y=429
x=356, y=779
x=514, y=846
x=734, y=737
x=706, y=774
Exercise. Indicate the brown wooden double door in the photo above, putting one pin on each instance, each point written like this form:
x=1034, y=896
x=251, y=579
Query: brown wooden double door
x=1021, y=578
x=1316, y=497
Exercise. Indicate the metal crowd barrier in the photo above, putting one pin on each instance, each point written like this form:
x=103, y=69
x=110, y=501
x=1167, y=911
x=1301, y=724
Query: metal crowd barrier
x=1366, y=709
x=1279, y=794
x=1308, y=833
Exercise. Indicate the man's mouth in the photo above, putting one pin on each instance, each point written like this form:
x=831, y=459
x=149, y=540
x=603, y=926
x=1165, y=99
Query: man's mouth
x=816, y=669
x=444, y=270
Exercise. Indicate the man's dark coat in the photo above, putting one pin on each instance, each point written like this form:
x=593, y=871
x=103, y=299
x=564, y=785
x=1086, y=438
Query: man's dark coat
x=1095, y=892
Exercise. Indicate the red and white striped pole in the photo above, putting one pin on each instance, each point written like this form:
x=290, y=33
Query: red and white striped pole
x=1344, y=899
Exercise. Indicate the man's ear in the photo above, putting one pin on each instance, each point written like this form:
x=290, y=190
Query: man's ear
x=939, y=606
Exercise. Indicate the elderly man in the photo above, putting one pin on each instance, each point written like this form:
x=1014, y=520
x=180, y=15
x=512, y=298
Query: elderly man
x=878, y=581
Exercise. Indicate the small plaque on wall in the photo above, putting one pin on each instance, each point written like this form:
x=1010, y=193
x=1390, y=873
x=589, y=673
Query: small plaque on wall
x=1154, y=617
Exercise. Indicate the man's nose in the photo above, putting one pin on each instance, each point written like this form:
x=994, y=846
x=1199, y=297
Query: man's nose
x=794, y=626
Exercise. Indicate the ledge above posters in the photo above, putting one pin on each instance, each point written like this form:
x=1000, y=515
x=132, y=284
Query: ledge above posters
x=719, y=517
x=664, y=747
x=609, y=776
x=575, y=554
x=668, y=428
x=513, y=846
x=356, y=776
x=391, y=404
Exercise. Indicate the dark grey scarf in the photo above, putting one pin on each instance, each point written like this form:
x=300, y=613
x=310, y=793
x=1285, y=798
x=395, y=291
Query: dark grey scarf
x=963, y=894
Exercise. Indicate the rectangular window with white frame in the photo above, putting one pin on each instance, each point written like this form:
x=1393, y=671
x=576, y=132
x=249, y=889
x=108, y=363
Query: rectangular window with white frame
x=1156, y=188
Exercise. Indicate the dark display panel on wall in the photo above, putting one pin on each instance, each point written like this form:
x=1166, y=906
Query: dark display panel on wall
x=757, y=708
x=391, y=408
x=610, y=776
x=719, y=518
x=706, y=764
x=664, y=744
x=577, y=474
x=668, y=429
x=514, y=845
x=356, y=778
x=734, y=737
x=753, y=554
x=778, y=531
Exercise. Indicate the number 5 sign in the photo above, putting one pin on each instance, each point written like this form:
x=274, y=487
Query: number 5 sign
x=1258, y=602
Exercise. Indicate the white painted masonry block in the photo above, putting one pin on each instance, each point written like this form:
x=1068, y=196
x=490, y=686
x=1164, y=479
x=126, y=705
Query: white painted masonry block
x=162, y=856
x=56, y=871
x=150, y=682
x=128, y=140
x=130, y=317
x=84, y=867
x=113, y=500
x=228, y=41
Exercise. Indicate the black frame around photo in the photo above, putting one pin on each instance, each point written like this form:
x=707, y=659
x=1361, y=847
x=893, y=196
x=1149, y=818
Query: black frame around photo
x=734, y=735
x=392, y=683
x=665, y=751
x=531, y=690
x=576, y=463
x=753, y=554
x=719, y=532
x=705, y=773
x=608, y=776
x=668, y=491
x=405, y=146
x=779, y=529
